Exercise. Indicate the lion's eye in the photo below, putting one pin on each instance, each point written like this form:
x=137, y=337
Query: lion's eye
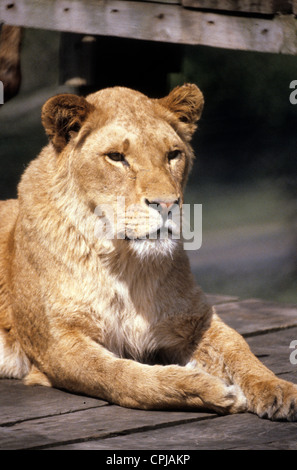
x=173, y=155
x=116, y=157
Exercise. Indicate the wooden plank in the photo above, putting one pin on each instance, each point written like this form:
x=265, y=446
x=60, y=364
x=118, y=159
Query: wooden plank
x=266, y=7
x=250, y=317
x=96, y=423
x=273, y=349
x=163, y=1
x=19, y=402
x=295, y=7
x=215, y=299
x=156, y=22
x=242, y=431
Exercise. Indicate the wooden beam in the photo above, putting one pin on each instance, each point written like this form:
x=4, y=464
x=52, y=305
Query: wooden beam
x=266, y=7
x=157, y=22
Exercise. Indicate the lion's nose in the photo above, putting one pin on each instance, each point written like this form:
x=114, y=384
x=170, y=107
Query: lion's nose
x=164, y=205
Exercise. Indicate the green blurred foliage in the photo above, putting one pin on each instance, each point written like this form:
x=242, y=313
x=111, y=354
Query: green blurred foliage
x=248, y=128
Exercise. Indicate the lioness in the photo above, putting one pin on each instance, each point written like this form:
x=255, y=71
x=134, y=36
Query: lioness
x=119, y=318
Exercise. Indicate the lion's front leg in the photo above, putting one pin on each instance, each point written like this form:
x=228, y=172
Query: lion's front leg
x=78, y=364
x=225, y=353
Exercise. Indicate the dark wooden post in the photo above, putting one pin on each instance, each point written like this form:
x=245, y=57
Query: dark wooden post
x=93, y=62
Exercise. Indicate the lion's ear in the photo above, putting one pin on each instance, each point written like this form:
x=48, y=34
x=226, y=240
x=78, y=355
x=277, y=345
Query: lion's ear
x=62, y=115
x=186, y=102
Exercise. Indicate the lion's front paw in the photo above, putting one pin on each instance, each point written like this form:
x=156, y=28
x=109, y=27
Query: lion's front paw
x=230, y=400
x=240, y=401
x=275, y=400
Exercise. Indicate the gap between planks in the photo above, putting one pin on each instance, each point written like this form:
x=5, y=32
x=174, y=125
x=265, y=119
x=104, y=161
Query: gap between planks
x=126, y=432
x=9, y=424
x=268, y=330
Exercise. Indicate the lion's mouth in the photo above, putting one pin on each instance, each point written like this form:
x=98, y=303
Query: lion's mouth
x=160, y=234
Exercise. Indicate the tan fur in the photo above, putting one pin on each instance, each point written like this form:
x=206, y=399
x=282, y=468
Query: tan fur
x=10, y=60
x=120, y=319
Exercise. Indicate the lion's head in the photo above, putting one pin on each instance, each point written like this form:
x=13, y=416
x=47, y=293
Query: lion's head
x=128, y=156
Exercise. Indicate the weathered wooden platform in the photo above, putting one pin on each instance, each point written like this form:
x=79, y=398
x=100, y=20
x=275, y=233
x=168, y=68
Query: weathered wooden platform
x=263, y=26
x=45, y=418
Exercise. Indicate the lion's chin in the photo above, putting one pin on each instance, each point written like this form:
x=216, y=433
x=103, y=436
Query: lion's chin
x=146, y=248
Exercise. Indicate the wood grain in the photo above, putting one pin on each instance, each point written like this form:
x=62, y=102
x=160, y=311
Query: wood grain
x=267, y=7
x=155, y=21
x=90, y=424
x=253, y=316
x=232, y=432
x=19, y=402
